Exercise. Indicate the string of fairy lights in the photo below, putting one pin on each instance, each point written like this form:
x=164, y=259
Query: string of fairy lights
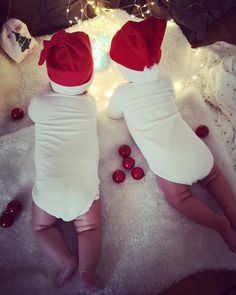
x=106, y=19
x=105, y=7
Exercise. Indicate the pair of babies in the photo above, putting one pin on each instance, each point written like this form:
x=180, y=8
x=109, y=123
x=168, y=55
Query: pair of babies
x=67, y=153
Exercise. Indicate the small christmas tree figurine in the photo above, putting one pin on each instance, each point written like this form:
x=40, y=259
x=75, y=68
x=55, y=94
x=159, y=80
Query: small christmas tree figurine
x=24, y=42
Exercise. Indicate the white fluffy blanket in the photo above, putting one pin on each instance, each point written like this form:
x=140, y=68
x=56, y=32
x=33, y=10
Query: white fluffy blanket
x=147, y=245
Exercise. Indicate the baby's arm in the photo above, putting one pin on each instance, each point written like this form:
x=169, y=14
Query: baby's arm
x=114, y=108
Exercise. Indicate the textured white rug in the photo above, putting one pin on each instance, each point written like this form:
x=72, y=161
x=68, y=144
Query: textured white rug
x=147, y=244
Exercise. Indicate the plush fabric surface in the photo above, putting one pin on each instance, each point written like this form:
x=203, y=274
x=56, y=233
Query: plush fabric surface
x=147, y=245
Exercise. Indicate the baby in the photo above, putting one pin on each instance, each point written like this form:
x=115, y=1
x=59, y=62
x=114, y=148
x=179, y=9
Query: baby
x=66, y=159
x=173, y=151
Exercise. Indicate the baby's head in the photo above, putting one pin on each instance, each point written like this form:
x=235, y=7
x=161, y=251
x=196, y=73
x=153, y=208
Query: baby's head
x=136, y=49
x=69, y=62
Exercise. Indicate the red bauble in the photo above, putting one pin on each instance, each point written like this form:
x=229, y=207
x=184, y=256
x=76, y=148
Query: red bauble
x=6, y=220
x=17, y=113
x=118, y=176
x=128, y=163
x=14, y=207
x=202, y=131
x=124, y=150
x=137, y=173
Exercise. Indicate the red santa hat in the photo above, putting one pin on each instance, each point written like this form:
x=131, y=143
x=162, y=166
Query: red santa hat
x=136, y=47
x=69, y=62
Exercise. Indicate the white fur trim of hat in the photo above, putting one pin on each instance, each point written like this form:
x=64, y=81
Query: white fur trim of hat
x=147, y=75
x=70, y=90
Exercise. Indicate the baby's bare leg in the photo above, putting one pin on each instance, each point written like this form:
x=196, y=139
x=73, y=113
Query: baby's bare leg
x=53, y=244
x=180, y=197
x=89, y=230
x=221, y=191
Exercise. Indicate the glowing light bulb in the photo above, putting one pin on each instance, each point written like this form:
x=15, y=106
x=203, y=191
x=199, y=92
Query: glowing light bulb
x=178, y=86
x=106, y=104
x=197, y=51
x=109, y=93
x=171, y=22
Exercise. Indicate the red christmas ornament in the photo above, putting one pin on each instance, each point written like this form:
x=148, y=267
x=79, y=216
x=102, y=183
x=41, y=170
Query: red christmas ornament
x=14, y=207
x=137, y=173
x=6, y=220
x=124, y=150
x=17, y=113
x=202, y=131
x=118, y=176
x=128, y=163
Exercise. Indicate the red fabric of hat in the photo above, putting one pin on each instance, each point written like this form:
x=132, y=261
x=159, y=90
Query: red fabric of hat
x=68, y=58
x=138, y=44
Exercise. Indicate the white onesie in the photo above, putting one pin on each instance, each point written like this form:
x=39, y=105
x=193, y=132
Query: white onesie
x=171, y=148
x=66, y=153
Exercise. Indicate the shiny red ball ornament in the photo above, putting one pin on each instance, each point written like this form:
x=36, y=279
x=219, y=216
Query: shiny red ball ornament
x=14, y=207
x=128, y=163
x=118, y=176
x=124, y=150
x=137, y=173
x=17, y=113
x=6, y=220
x=202, y=131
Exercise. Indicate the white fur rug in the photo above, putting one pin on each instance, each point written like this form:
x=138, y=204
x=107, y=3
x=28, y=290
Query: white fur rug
x=147, y=245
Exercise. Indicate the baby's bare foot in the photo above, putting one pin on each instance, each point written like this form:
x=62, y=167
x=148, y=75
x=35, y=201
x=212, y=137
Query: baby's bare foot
x=65, y=273
x=228, y=234
x=90, y=283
